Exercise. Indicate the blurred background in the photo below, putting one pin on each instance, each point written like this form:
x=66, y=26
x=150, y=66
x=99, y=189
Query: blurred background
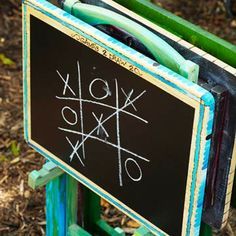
x=22, y=209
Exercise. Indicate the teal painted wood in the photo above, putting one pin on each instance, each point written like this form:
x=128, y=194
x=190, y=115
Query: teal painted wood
x=61, y=197
x=92, y=209
x=61, y=205
x=206, y=230
x=183, y=86
x=25, y=66
x=69, y=204
x=71, y=200
x=48, y=172
x=92, y=216
x=75, y=230
x=142, y=231
x=120, y=231
x=161, y=50
x=56, y=207
x=184, y=29
x=103, y=228
x=61, y=212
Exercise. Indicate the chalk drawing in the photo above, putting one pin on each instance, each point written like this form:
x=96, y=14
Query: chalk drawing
x=81, y=105
x=102, y=104
x=63, y=111
x=99, y=133
x=66, y=81
x=118, y=133
x=103, y=141
x=139, y=169
x=101, y=128
x=128, y=97
x=75, y=150
x=105, y=88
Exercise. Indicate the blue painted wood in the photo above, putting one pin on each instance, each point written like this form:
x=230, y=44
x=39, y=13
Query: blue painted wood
x=61, y=205
x=56, y=207
x=75, y=230
x=177, y=82
x=142, y=231
x=39, y=178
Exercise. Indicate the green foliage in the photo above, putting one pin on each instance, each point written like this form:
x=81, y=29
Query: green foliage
x=15, y=148
x=5, y=60
x=3, y=158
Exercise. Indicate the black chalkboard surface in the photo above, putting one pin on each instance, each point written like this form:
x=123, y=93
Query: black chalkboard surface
x=128, y=128
x=119, y=131
x=215, y=74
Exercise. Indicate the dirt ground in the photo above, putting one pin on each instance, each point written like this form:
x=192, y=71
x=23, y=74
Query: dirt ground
x=22, y=209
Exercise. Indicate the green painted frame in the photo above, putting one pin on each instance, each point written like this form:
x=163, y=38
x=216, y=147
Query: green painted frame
x=56, y=198
x=62, y=195
x=184, y=29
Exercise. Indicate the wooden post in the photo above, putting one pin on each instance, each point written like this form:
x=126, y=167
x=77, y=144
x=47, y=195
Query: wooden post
x=62, y=206
x=206, y=230
x=56, y=206
x=92, y=216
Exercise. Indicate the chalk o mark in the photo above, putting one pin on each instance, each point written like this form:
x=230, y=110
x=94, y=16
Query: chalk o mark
x=140, y=171
x=73, y=112
x=105, y=88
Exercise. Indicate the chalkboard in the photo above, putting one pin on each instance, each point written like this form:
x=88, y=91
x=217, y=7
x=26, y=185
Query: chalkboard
x=216, y=74
x=129, y=140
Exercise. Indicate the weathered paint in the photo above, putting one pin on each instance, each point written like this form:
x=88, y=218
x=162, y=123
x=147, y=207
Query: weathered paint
x=184, y=29
x=61, y=205
x=56, y=206
x=160, y=73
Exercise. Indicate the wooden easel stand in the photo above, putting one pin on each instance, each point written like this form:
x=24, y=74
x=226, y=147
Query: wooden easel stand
x=62, y=204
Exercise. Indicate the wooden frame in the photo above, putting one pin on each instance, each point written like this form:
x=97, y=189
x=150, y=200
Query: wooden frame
x=201, y=53
x=172, y=83
x=175, y=38
x=183, y=29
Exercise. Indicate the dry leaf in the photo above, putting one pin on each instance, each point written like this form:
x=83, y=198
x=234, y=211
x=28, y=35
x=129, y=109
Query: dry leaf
x=233, y=23
x=104, y=203
x=15, y=160
x=133, y=224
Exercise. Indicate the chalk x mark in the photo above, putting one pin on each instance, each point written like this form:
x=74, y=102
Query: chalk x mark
x=66, y=81
x=100, y=127
x=75, y=150
x=105, y=142
x=128, y=97
x=113, y=114
x=104, y=105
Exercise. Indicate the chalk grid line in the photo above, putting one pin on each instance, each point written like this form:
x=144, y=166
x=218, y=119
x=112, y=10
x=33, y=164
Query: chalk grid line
x=103, y=141
x=101, y=104
x=118, y=133
x=116, y=113
x=81, y=107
